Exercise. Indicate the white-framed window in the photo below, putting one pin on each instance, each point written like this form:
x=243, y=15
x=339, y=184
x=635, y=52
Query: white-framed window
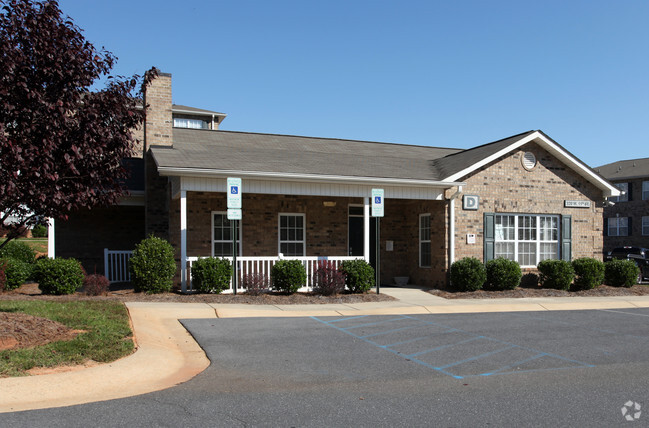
x=222, y=235
x=180, y=122
x=618, y=226
x=645, y=190
x=527, y=239
x=645, y=225
x=624, y=187
x=292, y=239
x=424, y=240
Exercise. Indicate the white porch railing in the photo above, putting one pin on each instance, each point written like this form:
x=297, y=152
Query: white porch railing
x=263, y=266
x=116, y=265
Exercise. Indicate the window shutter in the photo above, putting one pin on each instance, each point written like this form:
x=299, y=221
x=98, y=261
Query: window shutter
x=566, y=237
x=629, y=191
x=489, y=220
x=606, y=227
x=630, y=230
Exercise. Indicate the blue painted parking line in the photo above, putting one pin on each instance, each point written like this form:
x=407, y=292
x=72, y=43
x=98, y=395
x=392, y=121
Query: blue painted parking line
x=484, y=352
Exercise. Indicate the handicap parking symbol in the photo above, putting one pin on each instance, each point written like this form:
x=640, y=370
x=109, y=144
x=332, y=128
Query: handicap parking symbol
x=234, y=190
x=377, y=200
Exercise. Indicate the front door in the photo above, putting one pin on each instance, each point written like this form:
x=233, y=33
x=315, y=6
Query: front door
x=356, y=234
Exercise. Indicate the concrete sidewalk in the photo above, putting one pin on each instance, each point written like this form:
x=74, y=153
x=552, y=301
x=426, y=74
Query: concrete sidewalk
x=167, y=354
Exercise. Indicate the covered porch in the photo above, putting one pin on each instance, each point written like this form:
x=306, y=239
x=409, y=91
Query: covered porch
x=313, y=221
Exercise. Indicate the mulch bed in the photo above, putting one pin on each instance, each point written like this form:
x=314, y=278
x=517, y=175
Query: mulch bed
x=18, y=330
x=125, y=293
x=521, y=292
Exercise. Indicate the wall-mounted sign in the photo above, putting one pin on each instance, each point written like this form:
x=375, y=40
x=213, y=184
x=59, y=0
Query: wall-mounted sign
x=470, y=202
x=378, y=203
x=234, y=193
x=576, y=204
x=470, y=238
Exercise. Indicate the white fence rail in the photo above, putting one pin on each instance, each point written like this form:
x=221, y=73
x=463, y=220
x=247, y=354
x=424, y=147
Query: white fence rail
x=116, y=265
x=263, y=266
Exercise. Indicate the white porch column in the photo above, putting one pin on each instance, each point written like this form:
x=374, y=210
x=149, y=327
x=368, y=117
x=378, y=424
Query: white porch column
x=183, y=240
x=50, y=238
x=366, y=229
x=451, y=232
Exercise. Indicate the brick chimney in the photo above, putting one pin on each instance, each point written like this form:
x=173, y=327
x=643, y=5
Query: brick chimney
x=159, y=122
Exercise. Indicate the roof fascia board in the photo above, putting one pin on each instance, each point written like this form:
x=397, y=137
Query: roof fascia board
x=553, y=148
x=198, y=113
x=194, y=172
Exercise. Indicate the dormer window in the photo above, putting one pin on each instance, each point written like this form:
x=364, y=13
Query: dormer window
x=180, y=122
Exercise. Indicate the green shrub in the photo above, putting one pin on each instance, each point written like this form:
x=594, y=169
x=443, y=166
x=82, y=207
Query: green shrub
x=288, y=276
x=39, y=231
x=16, y=273
x=153, y=266
x=359, y=275
x=621, y=273
x=557, y=274
x=58, y=276
x=503, y=274
x=18, y=250
x=211, y=275
x=468, y=274
x=3, y=276
x=327, y=279
x=589, y=273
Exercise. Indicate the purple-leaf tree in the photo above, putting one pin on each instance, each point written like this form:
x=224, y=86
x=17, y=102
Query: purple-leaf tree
x=61, y=144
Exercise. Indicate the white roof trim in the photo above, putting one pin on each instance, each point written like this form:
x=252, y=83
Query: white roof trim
x=551, y=147
x=199, y=172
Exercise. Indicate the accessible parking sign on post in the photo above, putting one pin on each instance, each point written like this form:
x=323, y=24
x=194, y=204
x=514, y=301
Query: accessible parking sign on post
x=378, y=204
x=234, y=193
x=234, y=214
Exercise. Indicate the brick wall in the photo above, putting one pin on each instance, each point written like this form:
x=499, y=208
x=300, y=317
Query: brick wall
x=86, y=233
x=157, y=192
x=635, y=208
x=158, y=123
x=504, y=186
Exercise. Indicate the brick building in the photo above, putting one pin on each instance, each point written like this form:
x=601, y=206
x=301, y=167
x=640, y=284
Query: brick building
x=524, y=197
x=626, y=220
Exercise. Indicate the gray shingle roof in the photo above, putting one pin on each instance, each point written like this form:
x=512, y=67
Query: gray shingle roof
x=632, y=168
x=242, y=151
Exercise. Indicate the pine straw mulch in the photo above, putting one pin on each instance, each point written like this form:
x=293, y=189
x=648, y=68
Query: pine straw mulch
x=18, y=330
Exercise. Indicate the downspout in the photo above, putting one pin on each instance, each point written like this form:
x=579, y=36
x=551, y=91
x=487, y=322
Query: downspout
x=451, y=225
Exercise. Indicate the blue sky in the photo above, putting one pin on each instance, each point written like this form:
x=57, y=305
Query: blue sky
x=438, y=73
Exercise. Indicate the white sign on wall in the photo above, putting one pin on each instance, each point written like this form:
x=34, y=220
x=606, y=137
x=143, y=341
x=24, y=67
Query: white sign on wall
x=234, y=214
x=234, y=193
x=470, y=202
x=576, y=204
x=377, y=203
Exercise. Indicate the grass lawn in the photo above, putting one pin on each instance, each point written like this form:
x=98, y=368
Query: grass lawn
x=38, y=244
x=108, y=335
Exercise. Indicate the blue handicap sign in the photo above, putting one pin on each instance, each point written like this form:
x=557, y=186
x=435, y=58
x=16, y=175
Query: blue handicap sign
x=377, y=200
x=234, y=190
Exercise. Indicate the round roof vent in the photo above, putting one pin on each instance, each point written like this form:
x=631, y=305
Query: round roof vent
x=529, y=160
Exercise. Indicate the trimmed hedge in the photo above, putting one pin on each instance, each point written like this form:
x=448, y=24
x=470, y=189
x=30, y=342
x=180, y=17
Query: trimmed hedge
x=288, y=276
x=18, y=250
x=153, y=266
x=359, y=275
x=59, y=276
x=502, y=274
x=589, y=273
x=557, y=274
x=621, y=273
x=468, y=274
x=211, y=274
x=16, y=272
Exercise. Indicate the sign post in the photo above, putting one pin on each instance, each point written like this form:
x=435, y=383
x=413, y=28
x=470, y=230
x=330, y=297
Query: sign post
x=377, y=211
x=234, y=215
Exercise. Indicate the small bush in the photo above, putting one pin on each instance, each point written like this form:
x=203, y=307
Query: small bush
x=16, y=273
x=288, y=276
x=58, y=276
x=96, y=285
x=153, y=266
x=18, y=250
x=557, y=274
x=503, y=274
x=468, y=274
x=621, y=273
x=589, y=273
x=359, y=275
x=327, y=279
x=255, y=283
x=530, y=280
x=39, y=231
x=211, y=275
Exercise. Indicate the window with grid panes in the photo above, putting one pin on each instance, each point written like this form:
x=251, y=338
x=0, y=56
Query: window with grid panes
x=291, y=235
x=222, y=235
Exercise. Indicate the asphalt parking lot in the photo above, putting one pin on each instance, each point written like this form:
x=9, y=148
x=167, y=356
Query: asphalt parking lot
x=525, y=368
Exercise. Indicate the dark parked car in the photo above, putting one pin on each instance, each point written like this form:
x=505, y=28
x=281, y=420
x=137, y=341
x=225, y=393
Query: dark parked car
x=639, y=255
